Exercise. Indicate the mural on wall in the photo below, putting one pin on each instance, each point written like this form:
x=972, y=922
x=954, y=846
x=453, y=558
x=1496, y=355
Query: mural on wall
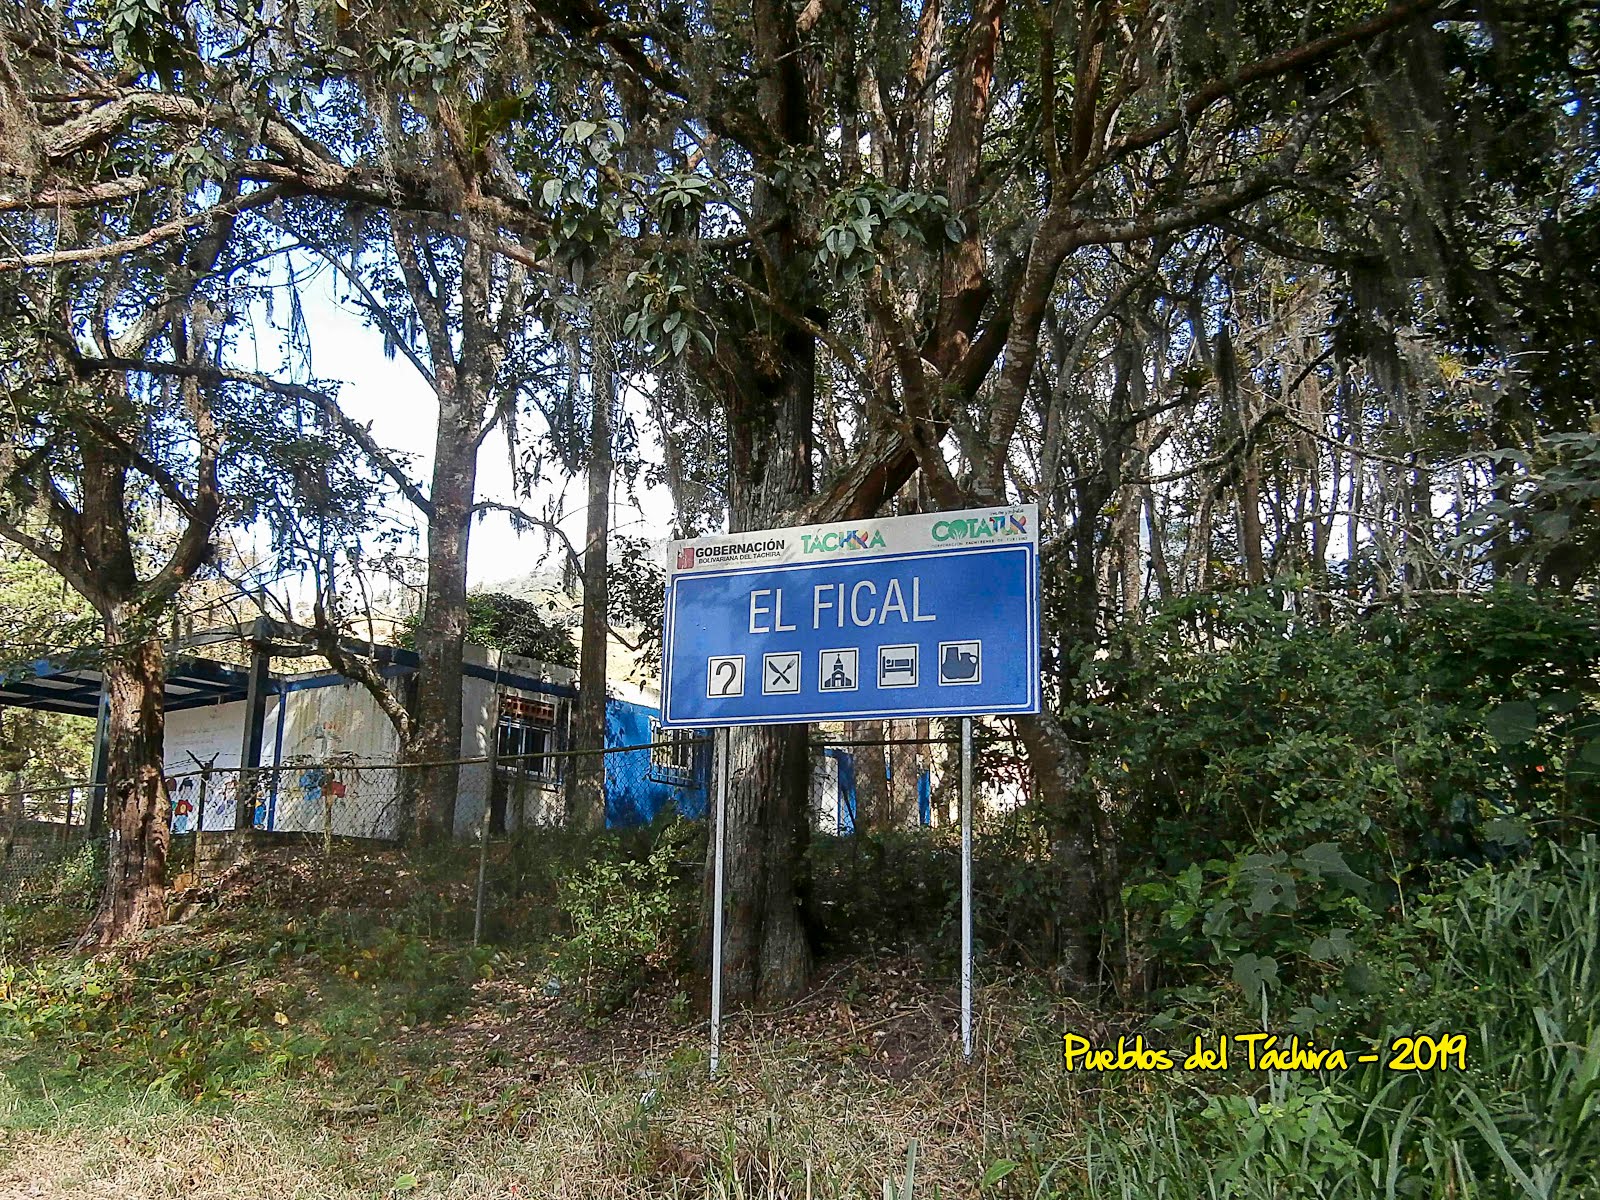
x=321, y=784
x=185, y=795
x=183, y=792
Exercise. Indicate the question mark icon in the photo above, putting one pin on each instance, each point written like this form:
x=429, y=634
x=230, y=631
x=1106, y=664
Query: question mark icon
x=725, y=676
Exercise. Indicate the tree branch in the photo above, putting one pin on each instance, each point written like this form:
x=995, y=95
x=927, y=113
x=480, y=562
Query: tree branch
x=327, y=405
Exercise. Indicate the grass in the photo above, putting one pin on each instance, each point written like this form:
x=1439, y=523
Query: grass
x=333, y=1035
x=808, y=1114
x=1509, y=956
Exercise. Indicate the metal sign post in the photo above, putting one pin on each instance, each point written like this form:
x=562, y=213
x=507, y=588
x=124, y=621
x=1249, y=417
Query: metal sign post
x=719, y=768
x=966, y=888
x=930, y=615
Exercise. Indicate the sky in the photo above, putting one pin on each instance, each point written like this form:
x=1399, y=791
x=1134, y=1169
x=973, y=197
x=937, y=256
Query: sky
x=389, y=394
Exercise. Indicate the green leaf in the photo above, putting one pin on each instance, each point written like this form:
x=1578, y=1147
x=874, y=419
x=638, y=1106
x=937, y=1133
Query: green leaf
x=1326, y=861
x=1336, y=945
x=1506, y=831
x=405, y=1183
x=1511, y=723
x=1255, y=973
x=998, y=1170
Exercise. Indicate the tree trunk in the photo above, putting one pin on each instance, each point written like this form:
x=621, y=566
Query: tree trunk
x=872, y=800
x=442, y=630
x=136, y=883
x=1158, y=547
x=1129, y=563
x=1250, y=532
x=586, y=802
x=905, y=765
x=1057, y=768
x=765, y=954
x=770, y=394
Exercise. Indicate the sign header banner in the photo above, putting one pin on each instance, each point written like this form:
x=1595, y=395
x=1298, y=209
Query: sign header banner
x=935, y=614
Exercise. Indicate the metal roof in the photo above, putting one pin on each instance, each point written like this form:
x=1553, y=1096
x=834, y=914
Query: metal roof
x=63, y=688
x=70, y=683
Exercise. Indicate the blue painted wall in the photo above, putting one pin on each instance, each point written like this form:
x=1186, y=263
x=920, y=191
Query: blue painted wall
x=635, y=791
x=845, y=802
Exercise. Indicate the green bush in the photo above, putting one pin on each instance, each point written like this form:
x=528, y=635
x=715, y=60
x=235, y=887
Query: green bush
x=51, y=906
x=203, y=1020
x=1273, y=778
x=878, y=891
x=1509, y=955
x=208, y=1013
x=625, y=916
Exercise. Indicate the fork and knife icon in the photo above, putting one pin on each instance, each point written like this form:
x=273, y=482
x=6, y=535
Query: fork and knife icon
x=780, y=673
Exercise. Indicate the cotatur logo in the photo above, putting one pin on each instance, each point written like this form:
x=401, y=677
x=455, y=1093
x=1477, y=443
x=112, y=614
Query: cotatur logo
x=840, y=539
x=996, y=525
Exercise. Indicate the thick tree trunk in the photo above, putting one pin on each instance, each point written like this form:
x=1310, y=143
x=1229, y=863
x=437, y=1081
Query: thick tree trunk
x=905, y=765
x=765, y=955
x=872, y=799
x=586, y=802
x=136, y=884
x=1083, y=857
x=770, y=395
x=442, y=631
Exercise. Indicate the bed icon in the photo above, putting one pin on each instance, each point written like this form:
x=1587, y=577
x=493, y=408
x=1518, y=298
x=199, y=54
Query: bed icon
x=897, y=666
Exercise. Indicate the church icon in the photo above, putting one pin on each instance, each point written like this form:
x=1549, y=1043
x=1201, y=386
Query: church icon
x=839, y=670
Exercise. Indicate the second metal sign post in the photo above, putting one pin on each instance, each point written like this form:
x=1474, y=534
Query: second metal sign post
x=922, y=616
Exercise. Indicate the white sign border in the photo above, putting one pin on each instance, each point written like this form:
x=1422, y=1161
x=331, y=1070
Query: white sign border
x=1033, y=704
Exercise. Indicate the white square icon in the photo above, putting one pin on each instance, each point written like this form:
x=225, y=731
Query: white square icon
x=724, y=676
x=780, y=673
x=839, y=670
x=897, y=666
x=960, y=662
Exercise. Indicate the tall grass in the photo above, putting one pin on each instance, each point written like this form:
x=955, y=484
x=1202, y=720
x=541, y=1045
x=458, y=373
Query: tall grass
x=1510, y=956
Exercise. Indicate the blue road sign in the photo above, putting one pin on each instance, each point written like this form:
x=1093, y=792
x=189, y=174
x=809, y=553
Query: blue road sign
x=922, y=616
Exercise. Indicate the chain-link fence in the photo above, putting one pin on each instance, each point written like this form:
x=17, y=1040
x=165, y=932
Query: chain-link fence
x=41, y=829
x=340, y=823
x=352, y=806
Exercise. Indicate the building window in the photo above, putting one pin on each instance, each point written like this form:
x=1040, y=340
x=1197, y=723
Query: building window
x=525, y=735
x=671, y=754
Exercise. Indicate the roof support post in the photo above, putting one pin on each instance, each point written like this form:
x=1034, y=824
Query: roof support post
x=255, y=714
x=97, y=773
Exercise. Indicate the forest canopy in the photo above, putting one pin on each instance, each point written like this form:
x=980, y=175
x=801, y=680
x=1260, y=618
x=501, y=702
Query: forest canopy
x=1283, y=316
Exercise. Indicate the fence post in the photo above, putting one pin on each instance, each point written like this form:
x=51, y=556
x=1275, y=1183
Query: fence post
x=327, y=812
x=200, y=816
x=488, y=807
